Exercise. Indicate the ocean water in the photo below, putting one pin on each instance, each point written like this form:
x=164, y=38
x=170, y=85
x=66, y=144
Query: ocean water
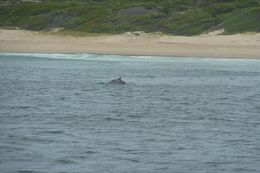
x=174, y=115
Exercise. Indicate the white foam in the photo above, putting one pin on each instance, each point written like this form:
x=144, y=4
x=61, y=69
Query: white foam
x=103, y=57
x=46, y=55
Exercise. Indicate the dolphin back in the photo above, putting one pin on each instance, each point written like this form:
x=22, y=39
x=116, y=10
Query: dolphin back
x=117, y=81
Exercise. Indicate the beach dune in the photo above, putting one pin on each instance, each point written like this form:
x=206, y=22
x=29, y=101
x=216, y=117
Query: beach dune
x=152, y=44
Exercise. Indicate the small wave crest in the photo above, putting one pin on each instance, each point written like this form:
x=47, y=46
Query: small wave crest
x=110, y=57
x=53, y=56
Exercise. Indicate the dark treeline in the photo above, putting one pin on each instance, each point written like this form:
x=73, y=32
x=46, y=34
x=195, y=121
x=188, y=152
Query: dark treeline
x=178, y=17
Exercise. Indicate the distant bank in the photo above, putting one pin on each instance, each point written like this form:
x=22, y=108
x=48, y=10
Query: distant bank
x=173, y=17
x=139, y=43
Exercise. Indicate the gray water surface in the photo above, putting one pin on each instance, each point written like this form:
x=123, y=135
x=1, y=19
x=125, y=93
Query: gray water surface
x=58, y=115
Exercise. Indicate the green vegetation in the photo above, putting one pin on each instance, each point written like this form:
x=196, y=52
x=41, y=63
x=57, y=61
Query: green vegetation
x=178, y=17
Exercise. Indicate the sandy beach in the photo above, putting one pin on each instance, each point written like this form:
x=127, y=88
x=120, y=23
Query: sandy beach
x=209, y=45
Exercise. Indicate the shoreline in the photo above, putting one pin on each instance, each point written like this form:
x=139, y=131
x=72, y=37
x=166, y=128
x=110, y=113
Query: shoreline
x=133, y=55
x=240, y=46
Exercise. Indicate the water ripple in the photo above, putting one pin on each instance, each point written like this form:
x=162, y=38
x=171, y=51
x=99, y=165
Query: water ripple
x=57, y=114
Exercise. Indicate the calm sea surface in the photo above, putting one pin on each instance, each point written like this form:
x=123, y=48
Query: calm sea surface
x=174, y=115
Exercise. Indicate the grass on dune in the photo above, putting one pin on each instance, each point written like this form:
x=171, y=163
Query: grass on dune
x=177, y=17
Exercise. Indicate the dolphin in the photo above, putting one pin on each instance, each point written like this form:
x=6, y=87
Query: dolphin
x=117, y=81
